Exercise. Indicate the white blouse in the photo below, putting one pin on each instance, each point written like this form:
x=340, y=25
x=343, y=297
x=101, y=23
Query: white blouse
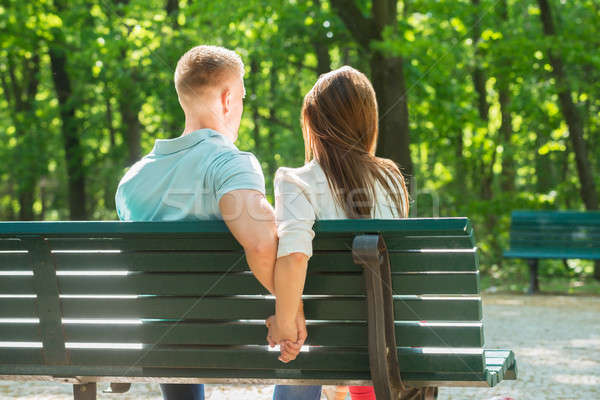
x=302, y=195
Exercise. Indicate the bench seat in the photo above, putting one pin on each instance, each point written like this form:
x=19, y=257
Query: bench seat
x=500, y=365
x=176, y=302
x=562, y=235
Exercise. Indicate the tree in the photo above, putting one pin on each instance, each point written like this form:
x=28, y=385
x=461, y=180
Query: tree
x=70, y=126
x=573, y=118
x=387, y=76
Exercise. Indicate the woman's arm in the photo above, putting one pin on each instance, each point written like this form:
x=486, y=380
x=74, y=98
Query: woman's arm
x=290, y=274
x=295, y=217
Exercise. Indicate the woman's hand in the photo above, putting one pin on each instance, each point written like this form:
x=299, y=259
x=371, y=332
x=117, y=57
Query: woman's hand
x=290, y=350
x=278, y=333
x=289, y=338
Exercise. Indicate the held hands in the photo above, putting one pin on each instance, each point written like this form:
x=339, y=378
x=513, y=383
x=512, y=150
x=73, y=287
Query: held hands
x=290, y=337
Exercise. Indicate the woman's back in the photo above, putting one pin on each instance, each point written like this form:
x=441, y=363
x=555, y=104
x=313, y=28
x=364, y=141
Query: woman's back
x=303, y=195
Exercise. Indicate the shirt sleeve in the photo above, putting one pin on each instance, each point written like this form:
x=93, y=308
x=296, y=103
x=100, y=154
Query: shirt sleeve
x=236, y=171
x=295, y=215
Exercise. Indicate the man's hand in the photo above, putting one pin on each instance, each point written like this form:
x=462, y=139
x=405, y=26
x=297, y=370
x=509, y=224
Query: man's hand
x=290, y=338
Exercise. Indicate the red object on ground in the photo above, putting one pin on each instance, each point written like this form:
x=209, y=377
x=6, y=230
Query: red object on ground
x=362, y=392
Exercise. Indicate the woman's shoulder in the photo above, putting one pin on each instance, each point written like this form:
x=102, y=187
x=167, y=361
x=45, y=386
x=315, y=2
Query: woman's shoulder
x=307, y=174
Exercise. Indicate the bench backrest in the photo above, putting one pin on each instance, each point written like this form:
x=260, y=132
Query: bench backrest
x=555, y=234
x=177, y=299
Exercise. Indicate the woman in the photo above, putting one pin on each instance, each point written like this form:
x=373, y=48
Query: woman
x=342, y=178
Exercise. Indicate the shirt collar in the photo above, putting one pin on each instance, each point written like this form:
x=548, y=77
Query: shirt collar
x=168, y=146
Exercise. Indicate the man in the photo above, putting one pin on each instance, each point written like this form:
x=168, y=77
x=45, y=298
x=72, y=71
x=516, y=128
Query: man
x=202, y=175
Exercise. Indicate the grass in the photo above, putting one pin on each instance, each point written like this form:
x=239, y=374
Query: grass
x=548, y=285
x=554, y=278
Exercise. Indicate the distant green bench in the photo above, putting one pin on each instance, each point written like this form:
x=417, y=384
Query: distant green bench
x=553, y=234
x=85, y=302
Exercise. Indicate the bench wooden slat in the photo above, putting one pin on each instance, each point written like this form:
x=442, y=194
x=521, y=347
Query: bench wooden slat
x=227, y=308
x=552, y=215
x=399, y=242
x=431, y=226
x=565, y=242
x=11, y=244
x=556, y=230
x=18, y=308
x=234, y=261
x=246, y=284
x=198, y=375
x=204, y=242
x=225, y=243
x=501, y=365
x=330, y=334
x=13, y=332
x=21, y=355
x=17, y=284
x=565, y=254
x=411, y=359
x=15, y=262
x=554, y=234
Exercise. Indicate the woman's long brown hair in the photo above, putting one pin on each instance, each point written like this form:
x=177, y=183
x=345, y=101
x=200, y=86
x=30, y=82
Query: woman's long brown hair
x=340, y=127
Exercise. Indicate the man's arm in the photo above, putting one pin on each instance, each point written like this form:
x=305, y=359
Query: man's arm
x=251, y=220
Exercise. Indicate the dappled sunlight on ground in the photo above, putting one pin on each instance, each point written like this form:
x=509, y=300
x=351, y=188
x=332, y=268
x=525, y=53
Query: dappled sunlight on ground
x=556, y=340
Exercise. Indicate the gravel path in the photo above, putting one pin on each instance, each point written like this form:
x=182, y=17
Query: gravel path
x=556, y=340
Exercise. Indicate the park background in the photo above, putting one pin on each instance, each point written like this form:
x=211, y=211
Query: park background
x=487, y=105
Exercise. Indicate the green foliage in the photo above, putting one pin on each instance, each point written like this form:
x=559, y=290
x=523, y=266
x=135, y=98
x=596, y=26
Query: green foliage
x=121, y=55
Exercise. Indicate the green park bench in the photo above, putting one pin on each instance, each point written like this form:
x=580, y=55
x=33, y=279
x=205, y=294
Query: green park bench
x=553, y=234
x=121, y=302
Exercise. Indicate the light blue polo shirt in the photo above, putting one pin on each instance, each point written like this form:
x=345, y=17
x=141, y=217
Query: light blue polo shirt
x=184, y=178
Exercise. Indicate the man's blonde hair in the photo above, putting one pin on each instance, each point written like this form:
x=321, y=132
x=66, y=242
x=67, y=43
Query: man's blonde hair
x=204, y=66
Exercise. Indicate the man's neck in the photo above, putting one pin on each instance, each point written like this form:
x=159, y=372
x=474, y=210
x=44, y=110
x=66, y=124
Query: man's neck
x=194, y=125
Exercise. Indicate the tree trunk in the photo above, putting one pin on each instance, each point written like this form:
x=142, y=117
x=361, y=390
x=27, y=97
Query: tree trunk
x=478, y=74
x=574, y=120
x=508, y=161
x=273, y=82
x=321, y=47
x=387, y=75
x=486, y=173
x=254, y=77
x=130, y=105
x=172, y=8
x=131, y=126
x=394, y=133
x=109, y=117
x=20, y=96
x=70, y=129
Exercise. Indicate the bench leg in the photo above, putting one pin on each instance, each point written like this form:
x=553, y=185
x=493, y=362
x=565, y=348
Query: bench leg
x=423, y=393
x=534, y=284
x=85, y=391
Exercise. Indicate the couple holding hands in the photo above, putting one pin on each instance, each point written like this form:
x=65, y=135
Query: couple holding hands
x=202, y=175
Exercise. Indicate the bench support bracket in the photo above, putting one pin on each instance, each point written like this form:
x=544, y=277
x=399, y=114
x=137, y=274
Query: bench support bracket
x=86, y=391
x=534, y=284
x=370, y=252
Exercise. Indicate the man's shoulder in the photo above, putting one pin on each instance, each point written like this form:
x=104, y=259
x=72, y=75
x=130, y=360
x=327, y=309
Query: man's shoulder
x=227, y=156
x=219, y=146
